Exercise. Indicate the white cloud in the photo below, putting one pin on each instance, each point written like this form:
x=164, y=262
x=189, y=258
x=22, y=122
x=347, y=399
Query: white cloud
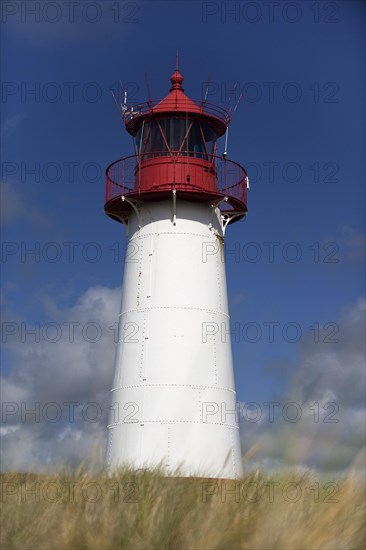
x=72, y=369
x=353, y=243
x=16, y=208
x=10, y=125
x=328, y=391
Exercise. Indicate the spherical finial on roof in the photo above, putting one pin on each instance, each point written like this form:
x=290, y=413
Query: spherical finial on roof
x=176, y=79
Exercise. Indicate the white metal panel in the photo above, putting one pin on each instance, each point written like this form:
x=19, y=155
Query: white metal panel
x=206, y=450
x=173, y=403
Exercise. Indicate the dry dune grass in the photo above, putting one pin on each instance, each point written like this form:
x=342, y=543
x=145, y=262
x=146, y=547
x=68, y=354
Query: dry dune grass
x=144, y=510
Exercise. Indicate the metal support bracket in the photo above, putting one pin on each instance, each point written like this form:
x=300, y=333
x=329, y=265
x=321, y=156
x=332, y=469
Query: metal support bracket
x=226, y=219
x=214, y=205
x=174, y=220
x=135, y=206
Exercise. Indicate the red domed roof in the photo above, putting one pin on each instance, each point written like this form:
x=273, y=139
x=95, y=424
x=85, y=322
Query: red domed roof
x=177, y=100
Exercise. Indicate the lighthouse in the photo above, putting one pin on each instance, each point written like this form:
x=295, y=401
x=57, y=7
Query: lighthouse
x=173, y=401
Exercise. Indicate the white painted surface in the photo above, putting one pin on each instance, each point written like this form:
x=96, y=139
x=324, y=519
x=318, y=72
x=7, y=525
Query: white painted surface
x=173, y=396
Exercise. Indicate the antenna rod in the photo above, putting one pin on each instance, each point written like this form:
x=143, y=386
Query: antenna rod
x=206, y=93
x=237, y=103
x=148, y=89
x=118, y=106
x=229, y=99
x=226, y=138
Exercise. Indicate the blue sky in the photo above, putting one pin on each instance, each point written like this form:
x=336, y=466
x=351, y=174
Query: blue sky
x=299, y=130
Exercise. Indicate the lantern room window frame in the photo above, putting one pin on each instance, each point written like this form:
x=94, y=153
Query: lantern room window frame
x=145, y=148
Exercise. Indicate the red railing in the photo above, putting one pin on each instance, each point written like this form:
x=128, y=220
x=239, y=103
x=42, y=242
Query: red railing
x=123, y=176
x=206, y=109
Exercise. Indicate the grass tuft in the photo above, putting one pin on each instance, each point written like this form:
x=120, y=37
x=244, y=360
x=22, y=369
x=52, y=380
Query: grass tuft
x=144, y=510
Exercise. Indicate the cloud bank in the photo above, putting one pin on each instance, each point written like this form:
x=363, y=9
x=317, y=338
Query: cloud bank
x=319, y=422
x=64, y=378
x=56, y=394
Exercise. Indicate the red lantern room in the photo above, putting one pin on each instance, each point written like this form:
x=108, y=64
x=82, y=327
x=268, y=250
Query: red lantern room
x=175, y=153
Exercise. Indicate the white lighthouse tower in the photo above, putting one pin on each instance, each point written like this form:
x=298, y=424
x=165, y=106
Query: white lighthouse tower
x=173, y=395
